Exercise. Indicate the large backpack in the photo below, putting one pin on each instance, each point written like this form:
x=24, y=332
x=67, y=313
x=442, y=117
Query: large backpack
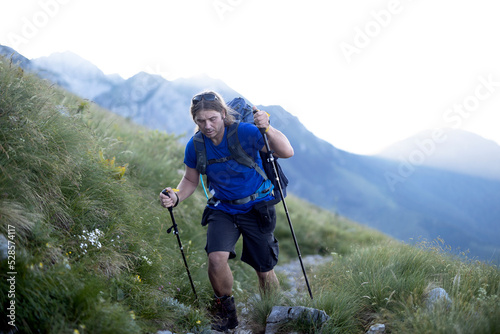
x=244, y=113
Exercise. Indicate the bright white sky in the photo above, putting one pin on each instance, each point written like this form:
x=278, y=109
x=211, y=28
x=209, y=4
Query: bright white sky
x=360, y=74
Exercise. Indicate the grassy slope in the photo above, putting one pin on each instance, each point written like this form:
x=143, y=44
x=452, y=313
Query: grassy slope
x=79, y=187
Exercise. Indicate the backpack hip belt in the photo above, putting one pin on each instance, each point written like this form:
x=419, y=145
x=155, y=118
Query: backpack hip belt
x=245, y=200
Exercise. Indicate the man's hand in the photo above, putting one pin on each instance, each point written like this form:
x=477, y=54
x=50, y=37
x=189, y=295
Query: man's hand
x=169, y=200
x=278, y=142
x=261, y=119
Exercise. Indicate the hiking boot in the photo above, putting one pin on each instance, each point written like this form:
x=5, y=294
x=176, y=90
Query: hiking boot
x=225, y=314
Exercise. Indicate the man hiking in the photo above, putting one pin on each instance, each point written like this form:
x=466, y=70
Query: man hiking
x=239, y=203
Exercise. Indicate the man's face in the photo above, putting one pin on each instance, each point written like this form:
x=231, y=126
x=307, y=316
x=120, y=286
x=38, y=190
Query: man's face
x=211, y=124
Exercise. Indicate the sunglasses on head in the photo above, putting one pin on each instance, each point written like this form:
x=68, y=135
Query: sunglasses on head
x=206, y=97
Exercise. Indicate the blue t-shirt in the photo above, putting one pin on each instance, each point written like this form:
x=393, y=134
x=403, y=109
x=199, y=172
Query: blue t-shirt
x=229, y=180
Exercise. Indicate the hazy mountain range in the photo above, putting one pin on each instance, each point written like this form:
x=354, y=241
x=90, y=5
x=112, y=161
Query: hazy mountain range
x=439, y=183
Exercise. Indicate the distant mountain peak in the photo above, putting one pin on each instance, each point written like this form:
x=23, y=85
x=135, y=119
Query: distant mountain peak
x=75, y=73
x=67, y=57
x=450, y=149
x=68, y=61
x=143, y=77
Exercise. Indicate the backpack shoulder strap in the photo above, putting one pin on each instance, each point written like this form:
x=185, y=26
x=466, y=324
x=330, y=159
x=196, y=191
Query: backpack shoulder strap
x=201, y=153
x=237, y=151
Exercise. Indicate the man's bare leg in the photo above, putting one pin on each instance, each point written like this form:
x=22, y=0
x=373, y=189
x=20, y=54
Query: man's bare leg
x=220, y=274
x=221, y=279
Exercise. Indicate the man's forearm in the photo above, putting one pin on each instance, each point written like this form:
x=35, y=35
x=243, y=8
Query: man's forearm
x=188, y=184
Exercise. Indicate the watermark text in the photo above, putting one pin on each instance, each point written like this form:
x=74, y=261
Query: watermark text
x=222, y=7
x=363, y=36
x=32, y=25
x=11, y=274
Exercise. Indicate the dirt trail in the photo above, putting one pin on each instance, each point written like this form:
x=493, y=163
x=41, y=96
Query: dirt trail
x=293, y=271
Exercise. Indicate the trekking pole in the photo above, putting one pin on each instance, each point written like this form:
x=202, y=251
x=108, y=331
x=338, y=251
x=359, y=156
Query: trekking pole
x=176, y=232
x=276, y=175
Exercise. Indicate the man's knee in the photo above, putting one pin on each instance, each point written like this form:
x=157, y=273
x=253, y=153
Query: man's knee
x=218, y=258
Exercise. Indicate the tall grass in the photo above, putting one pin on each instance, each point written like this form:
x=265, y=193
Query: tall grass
x=92, y=252
x=389, y=284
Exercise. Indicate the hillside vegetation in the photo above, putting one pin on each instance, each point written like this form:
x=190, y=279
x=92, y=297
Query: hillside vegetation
x=88, y=248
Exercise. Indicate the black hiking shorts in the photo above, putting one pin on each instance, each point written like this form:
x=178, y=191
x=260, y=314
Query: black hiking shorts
x=260, y=247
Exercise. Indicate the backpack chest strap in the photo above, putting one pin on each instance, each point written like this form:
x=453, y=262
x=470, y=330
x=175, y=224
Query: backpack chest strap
x=220, y=160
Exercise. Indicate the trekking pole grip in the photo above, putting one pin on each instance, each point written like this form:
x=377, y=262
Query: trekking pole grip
x=174, y=225
x=164, y=192
x=262, y=130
